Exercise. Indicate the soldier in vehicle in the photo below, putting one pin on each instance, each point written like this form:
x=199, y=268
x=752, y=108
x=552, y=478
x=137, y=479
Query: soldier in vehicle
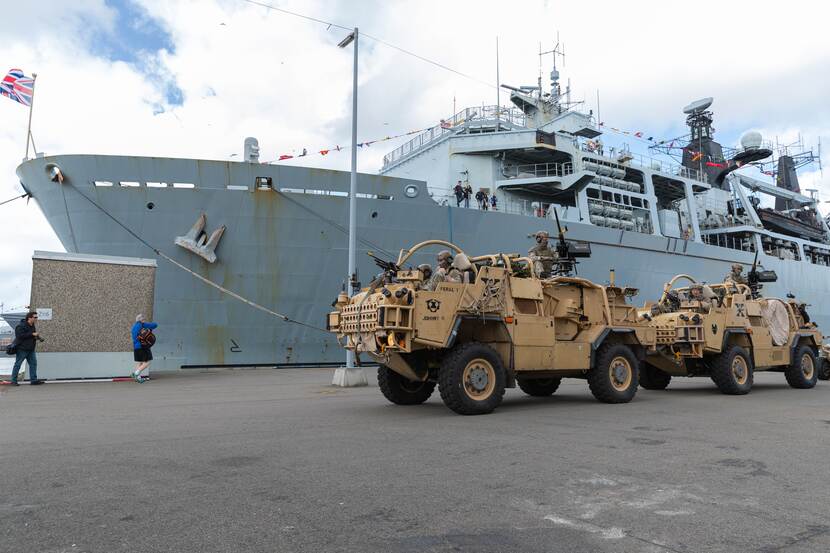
x=444, y=271
x=542, y=255
x=696, y=294
x=426, y=271
x=736, y=276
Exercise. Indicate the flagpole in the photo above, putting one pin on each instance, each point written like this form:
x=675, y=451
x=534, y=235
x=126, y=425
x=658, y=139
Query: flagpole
x=31, y=106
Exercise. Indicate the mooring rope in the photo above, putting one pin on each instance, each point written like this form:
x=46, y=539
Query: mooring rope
x=26, y=195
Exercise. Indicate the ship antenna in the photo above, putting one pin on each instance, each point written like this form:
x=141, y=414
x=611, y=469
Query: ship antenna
x=498, y=88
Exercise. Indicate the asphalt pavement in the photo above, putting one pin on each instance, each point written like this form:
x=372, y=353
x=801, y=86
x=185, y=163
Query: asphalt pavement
x=280, y=461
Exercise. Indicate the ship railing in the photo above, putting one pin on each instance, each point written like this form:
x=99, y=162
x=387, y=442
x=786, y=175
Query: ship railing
x=511, y=117
x=731, y=241
x=528, y=208
x=537, y=170
x=623, y=156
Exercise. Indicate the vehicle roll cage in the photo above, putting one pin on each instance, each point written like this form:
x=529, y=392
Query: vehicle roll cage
x=728, y=288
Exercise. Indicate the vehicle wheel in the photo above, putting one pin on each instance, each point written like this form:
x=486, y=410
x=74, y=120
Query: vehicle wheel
x=539, y=387
x=803, y=372
x=472, y=379
x=402, y=391
x=614, y=378
x=732, y=371
x=824, y=369
x=652, y=378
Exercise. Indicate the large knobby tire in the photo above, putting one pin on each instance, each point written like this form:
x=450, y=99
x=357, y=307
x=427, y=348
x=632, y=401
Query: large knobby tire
x=652, y=378
x=824, y=369
x=472, y=379
x=402, y=391
x=539, y=387
x=614, y=377
x=803, y=372
x=732, y=371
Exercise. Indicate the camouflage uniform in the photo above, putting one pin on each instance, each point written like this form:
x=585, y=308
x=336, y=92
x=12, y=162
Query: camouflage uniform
x=542, y=255
x=736, y=275
x=696, y=294
x=426, y=271
x=444, y=271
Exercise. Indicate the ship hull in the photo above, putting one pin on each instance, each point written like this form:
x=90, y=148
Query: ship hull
x=286, y=249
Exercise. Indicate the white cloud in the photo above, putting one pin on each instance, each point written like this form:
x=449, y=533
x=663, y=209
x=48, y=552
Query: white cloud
x=248, y=71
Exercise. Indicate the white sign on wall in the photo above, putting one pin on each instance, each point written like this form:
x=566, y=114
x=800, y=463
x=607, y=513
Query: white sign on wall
x=44, y=313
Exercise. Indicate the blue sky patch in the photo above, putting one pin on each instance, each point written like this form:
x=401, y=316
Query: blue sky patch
x=136, y=40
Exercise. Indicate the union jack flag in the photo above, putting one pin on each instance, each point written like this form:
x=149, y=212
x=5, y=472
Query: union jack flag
x=18, y=87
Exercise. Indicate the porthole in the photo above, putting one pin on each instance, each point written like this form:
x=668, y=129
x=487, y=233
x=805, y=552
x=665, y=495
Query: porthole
x=150, y=205
x=374, y=215
x=411, y=191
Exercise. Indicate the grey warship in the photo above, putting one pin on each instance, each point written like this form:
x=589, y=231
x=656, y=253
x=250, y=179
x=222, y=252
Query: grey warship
x=277, y=235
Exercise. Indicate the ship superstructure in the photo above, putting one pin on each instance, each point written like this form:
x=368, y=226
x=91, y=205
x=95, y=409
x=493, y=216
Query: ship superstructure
x=537, y=156
x=277, y=235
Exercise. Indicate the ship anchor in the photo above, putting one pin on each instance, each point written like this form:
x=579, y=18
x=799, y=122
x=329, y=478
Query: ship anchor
x=197, y=241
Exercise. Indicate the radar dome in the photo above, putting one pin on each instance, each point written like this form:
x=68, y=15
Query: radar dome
x=751, y=140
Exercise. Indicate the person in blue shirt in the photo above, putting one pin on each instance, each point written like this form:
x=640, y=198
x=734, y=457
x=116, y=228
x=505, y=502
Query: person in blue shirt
x=141, y=354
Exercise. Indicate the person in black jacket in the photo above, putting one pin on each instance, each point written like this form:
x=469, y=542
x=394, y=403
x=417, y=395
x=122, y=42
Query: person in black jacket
x=26, y=338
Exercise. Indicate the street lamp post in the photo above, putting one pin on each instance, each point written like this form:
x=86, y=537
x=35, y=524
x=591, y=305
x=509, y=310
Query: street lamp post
x=351, y=375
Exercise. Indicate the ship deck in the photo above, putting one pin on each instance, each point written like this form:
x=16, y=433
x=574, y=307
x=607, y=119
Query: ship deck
x=278, y=460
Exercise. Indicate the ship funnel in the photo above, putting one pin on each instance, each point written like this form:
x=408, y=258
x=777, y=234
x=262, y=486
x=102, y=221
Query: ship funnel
x=251, y=152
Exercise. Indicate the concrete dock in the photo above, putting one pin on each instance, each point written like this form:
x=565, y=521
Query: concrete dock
x=280, y=461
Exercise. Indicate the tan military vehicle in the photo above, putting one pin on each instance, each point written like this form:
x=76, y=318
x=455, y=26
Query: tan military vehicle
x=498, y=326
x=824, y=362
x=727, y=332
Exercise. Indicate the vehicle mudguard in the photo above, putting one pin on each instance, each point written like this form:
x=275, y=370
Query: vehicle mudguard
x=738, y=331
x=638, y=352
x=797, y=340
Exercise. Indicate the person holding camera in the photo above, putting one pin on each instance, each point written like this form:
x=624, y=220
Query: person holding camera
x=26, y=338
x=143, y=340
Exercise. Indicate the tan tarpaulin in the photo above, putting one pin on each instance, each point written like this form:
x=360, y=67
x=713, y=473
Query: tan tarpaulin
x=775, y=314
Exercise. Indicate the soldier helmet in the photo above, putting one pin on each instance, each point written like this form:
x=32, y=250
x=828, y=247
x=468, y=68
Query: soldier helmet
x=542, y=234
x=425, y=268
x=737, y=267
x=444, y=254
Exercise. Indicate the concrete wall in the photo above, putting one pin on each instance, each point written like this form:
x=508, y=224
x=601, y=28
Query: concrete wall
x=94, y=301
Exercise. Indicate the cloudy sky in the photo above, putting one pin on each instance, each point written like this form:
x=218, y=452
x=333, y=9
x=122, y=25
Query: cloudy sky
x=192, y=78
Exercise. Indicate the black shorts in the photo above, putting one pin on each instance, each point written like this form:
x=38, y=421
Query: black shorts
x=142, y=355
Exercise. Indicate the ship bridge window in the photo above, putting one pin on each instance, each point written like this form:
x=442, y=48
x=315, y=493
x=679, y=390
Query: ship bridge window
x=593, y=193
x=103, y=183
x=183, y=185
x=129, y=184
x=156, y=184
x=607, y=196
x=637, y=202
x=237, y=187
x=264, y=183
